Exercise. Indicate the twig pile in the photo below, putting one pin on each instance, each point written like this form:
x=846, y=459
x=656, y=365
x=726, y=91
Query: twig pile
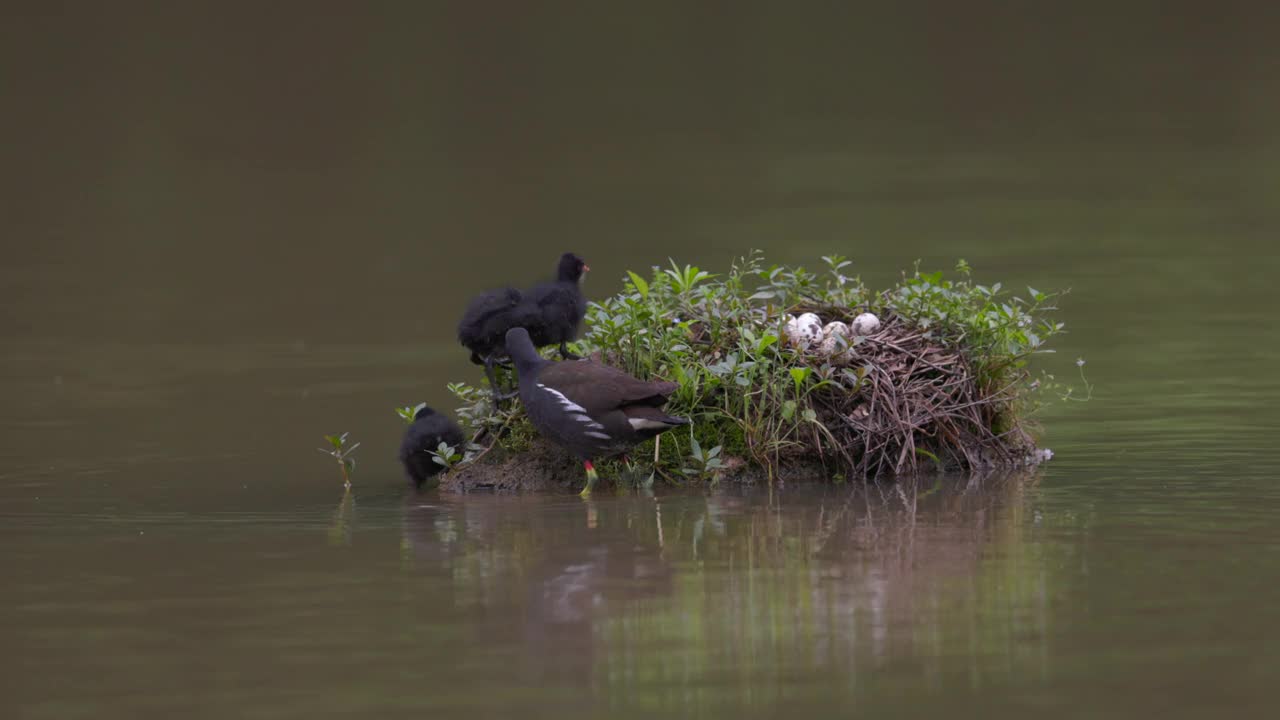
x=918, y=401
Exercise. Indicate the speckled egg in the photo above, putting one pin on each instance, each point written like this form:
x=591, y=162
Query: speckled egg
x=836, y=337
x=805, y=331
x=866, y=324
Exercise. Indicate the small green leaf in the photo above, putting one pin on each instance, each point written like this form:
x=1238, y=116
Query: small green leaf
x=799, y=375
x=788, y=409
x=642, y=287
x=925, y=453
x=809, y=415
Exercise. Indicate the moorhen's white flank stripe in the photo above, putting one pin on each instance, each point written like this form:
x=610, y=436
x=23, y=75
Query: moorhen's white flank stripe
x=584, y=419
x=594, y=434
x=560, y=398
x=577, y=412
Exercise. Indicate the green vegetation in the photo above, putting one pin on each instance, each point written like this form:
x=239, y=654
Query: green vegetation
x=342, y=453
x=944, y=379
x=408, y=412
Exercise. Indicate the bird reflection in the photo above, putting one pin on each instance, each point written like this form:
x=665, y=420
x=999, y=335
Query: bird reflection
x=541, y=570
x=809, y=578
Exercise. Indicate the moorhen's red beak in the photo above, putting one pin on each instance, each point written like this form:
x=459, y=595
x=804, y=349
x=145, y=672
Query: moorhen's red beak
x=586, y=267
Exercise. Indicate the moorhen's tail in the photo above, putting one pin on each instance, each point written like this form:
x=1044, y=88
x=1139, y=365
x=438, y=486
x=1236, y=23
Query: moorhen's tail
x=648, y=421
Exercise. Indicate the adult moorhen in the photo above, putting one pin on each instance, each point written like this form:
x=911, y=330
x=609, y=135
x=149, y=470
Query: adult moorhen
x=423, y=437
x=559, y=306
x=590, y=409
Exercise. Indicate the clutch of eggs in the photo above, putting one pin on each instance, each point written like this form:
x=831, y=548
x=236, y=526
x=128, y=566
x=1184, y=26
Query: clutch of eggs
x=831, y=340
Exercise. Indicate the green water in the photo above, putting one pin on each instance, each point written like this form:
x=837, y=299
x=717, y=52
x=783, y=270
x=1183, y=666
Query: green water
x=230, y=231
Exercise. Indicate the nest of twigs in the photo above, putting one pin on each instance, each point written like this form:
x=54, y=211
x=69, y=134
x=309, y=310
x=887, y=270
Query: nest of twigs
x=918, y=404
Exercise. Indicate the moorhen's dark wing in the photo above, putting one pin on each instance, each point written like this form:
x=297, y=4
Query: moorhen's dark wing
x=599, y=388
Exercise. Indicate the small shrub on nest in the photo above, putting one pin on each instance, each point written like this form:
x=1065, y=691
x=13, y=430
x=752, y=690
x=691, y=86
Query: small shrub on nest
x=943, y=379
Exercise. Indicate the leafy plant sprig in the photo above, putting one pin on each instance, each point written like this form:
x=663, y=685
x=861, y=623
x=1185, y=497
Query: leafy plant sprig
x=408, y=412
x=446, y=456
x=703, y=464
x=342, y=453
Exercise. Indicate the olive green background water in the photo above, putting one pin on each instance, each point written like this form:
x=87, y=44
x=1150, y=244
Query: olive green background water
x=231, y=228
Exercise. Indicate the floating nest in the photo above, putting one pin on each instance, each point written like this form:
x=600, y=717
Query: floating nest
x=903, y=401
x=918, y=403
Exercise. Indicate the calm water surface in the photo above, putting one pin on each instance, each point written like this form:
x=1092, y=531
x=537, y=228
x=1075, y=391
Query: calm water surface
x=229, y=231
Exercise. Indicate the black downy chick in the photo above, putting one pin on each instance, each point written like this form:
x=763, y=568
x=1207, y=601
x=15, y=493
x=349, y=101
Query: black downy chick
x=552, y=313
x=559, y=306
x=485, y=323
x=423, y=437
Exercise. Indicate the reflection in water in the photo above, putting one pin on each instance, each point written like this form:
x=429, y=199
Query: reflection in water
x=668, y=596
x=343, y=518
